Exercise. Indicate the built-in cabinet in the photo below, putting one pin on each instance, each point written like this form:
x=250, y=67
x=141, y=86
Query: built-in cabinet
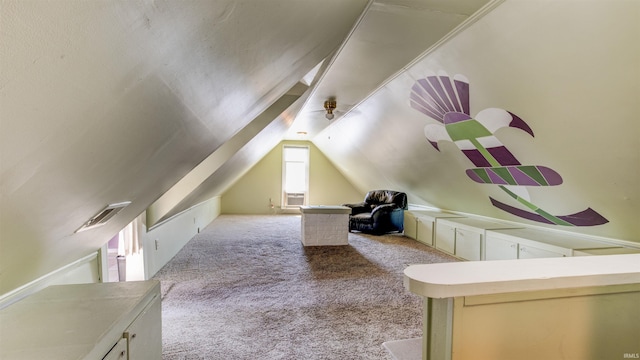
x=464, y=237
x=420, y=224
x=472, y=238
x=144, y=335
x=527, y=243
x=119, y=351
x=113, y=321
x=410, y=224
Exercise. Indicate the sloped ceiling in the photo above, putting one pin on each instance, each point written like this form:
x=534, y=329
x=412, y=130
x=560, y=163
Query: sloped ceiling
x=166, y=103
x=104, y=102
x=110, y=101
x=386, y=37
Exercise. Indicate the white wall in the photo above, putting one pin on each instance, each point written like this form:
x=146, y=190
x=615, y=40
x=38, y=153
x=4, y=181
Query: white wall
x=171, y=235
x=81, y=271
x=569, y=69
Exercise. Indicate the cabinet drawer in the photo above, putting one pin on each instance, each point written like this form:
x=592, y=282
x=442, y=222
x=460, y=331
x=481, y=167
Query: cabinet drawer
x=499, y=249
x=468, y=244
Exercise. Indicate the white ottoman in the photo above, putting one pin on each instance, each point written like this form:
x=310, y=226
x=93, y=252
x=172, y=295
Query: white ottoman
x=325, y=225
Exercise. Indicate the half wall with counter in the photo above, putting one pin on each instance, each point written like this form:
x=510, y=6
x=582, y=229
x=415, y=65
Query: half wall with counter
x=549, y=308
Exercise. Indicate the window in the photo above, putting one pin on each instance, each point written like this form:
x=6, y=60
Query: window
x=295, y=175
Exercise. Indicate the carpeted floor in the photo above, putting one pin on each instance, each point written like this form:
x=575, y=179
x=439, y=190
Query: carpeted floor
x=246, y=288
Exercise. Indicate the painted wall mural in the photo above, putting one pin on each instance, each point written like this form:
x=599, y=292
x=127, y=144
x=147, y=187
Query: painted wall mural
x=446, y=100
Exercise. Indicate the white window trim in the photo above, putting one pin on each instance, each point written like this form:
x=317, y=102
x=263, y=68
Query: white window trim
x=284, y=202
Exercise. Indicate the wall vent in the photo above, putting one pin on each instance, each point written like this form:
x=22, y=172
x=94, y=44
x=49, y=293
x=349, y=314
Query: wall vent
x=103, y=216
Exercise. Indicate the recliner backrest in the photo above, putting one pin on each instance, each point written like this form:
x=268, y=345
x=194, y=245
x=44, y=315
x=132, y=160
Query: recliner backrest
x=377, y=197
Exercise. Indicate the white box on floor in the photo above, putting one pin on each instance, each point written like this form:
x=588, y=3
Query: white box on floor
x=325, y=225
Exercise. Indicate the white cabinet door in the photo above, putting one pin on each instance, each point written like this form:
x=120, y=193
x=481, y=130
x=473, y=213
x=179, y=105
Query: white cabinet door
x=499, y=249
x=468, y=244
x=144, y=335
x=424, y=231
x=530, y=252
x=410, y=225
x=446, y=238
x=118, y=352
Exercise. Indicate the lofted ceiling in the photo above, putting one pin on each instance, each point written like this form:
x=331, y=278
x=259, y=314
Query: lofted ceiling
x=385, y=40
x=165, y=103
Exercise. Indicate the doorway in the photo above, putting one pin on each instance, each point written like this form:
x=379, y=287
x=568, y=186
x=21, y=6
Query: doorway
x=125, y=260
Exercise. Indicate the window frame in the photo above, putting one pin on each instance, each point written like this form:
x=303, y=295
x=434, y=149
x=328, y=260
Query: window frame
x=285, y=203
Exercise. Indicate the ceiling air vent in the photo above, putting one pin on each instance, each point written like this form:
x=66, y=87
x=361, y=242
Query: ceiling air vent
x=103, y=216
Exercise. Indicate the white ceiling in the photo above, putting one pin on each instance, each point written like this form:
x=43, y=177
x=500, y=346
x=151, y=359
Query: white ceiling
x=107, y=101
x=387, y=37
x=166, y=103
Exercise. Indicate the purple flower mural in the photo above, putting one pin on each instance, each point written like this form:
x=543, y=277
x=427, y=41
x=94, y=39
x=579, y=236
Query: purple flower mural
x=446, y=100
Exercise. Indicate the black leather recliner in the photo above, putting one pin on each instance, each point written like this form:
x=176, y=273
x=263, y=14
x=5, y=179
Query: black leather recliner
x=382, y=211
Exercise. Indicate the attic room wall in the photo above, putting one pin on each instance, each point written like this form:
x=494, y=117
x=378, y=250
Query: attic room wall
x=103, y=102
x=569, y=69
x=251, y=193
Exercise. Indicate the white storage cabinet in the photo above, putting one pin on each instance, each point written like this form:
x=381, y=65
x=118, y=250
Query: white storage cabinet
x=464, y=237
x=113, y=321
x=420, y=224
x=119, y=351
x=410, y=224
x=528, y=243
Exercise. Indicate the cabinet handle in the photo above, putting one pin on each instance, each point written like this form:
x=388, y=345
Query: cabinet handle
x=123, y=353
x=133, y=336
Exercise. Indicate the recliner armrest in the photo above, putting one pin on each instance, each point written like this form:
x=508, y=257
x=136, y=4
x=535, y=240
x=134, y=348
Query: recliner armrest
x=359, y=208
x=385, y=209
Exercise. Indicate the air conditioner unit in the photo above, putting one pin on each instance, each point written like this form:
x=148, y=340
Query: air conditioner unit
x=294, y=199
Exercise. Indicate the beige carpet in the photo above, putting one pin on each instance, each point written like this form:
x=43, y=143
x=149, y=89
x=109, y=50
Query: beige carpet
x=246, y=288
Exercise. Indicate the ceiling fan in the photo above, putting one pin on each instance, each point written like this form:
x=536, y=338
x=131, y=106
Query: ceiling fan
x=330, y=106
x=330, y=109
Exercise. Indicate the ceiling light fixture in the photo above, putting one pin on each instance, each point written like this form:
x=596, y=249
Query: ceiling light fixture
x=329, y=105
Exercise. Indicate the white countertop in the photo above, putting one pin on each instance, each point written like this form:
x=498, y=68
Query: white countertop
x=475, y=223
x=565, y=240
x=72, y=321
x=469, y=278
x=325, y=209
